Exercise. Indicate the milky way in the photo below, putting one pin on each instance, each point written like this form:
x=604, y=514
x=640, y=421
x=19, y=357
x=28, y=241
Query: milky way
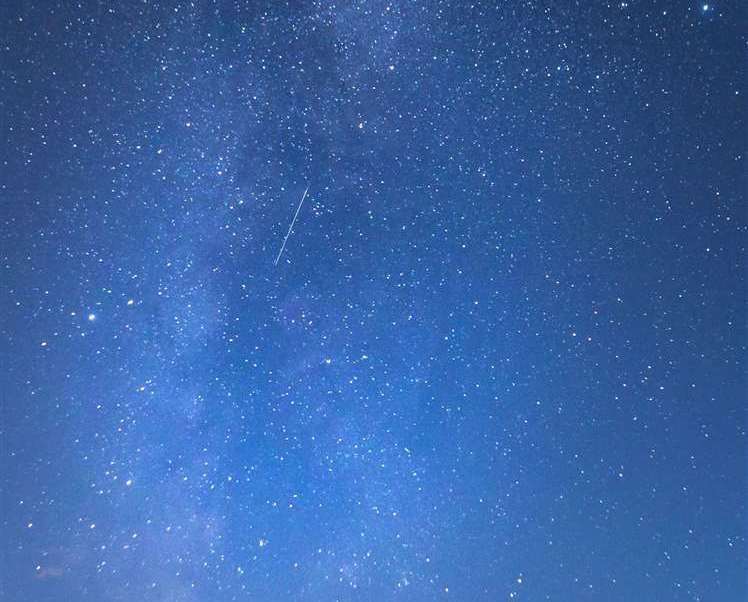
x=500, y=357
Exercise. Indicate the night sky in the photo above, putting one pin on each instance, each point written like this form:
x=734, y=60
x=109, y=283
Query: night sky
x=502, y=355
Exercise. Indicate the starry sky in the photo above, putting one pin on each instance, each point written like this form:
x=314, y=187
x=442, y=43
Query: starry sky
x=501, y=356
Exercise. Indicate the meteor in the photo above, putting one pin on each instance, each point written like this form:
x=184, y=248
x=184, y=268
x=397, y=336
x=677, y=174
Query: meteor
x=293, y=221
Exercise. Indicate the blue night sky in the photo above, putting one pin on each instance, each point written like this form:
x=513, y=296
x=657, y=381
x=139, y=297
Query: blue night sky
x=502, y=355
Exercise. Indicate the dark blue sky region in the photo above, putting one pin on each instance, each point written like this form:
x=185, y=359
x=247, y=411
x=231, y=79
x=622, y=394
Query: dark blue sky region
x=501, y=356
